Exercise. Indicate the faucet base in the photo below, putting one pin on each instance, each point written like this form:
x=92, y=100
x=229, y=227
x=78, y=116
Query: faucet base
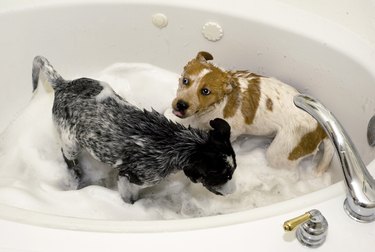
x=356, y=216
x=313, y=232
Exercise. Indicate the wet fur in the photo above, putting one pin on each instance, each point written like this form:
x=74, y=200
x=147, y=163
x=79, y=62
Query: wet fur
x=252, y=104
x=143, y=146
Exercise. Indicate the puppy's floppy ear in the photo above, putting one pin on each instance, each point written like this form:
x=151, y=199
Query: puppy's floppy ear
x=221, y=130
x=204, y=56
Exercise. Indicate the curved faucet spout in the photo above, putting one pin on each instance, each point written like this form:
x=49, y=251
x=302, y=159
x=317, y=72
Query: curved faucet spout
x=360, y=201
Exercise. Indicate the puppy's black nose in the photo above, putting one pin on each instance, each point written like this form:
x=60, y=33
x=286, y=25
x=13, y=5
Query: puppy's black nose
x=182, y=105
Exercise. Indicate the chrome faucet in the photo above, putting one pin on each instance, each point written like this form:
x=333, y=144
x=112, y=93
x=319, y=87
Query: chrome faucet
x=360, y=200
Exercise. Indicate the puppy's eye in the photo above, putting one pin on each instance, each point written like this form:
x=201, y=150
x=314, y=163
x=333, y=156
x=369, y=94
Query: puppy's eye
x=185, y=81
x=205, y=91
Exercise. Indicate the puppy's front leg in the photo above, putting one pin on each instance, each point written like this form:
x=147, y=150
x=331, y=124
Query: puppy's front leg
x=129, y=192
x=74, y=167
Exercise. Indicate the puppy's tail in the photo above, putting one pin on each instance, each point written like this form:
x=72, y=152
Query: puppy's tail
x=327, y=156
x=42, y=69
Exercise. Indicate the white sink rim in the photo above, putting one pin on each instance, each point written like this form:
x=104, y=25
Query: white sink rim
x=353, y=47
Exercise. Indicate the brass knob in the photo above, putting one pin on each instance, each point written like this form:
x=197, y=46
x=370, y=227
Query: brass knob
x=291, y=224
x=312, y=228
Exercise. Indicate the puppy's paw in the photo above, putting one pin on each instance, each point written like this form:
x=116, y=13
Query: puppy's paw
x=129, y=192
x=130, y=199
x=71, y=182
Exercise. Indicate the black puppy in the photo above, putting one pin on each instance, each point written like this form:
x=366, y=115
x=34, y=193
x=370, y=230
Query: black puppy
x=143, y=145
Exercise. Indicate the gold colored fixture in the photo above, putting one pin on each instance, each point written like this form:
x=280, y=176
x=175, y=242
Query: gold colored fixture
x=312, y=228
x=291, y=224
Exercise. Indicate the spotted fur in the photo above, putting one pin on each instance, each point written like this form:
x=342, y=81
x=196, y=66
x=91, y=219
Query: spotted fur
x=252, y=104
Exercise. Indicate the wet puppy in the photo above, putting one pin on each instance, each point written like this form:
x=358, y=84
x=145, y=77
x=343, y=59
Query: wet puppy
x=251, y=104
x=143, y=146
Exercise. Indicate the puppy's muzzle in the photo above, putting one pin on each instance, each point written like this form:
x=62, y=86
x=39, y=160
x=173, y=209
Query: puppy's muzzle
x=182, y=105
x=180, y=108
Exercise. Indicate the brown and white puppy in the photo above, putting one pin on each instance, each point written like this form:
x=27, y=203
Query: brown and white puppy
x=251, y=104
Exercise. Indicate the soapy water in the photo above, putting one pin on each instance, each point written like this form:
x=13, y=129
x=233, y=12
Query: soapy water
x=34, y=176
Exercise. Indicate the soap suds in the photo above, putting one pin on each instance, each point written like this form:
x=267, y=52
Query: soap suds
x=33, y=174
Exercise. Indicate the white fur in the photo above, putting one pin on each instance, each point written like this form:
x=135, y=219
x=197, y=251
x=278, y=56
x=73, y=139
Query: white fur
x=286, y=123
x=105, y=93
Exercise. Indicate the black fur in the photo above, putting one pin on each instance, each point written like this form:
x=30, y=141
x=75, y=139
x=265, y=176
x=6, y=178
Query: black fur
x=143, y=145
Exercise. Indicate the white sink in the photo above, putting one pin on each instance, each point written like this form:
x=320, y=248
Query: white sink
x=312, y=54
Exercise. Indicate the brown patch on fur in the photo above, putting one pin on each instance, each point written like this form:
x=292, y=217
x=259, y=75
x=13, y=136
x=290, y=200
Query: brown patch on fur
x=269, y=104
x=217, y=82
x=194, y=67
x=256, y=75
x=308, y=143
x=245, y=74
x=250, y=100
x=233, y=103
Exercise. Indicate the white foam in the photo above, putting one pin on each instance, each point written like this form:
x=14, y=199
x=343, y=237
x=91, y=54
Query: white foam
x=33, y=174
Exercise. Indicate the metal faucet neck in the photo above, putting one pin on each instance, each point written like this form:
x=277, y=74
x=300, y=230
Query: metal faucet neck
x=360, y=202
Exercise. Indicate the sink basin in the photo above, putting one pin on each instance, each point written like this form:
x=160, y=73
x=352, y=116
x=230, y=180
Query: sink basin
x=315, y=56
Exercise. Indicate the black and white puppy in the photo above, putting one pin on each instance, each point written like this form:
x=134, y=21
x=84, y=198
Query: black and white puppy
x=143, y=145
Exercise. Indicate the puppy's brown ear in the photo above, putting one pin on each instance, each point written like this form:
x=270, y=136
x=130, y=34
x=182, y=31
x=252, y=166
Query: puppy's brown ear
x=204, y=56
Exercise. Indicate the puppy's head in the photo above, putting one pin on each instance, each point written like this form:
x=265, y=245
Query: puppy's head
x=201, y=85
x=214, y=164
